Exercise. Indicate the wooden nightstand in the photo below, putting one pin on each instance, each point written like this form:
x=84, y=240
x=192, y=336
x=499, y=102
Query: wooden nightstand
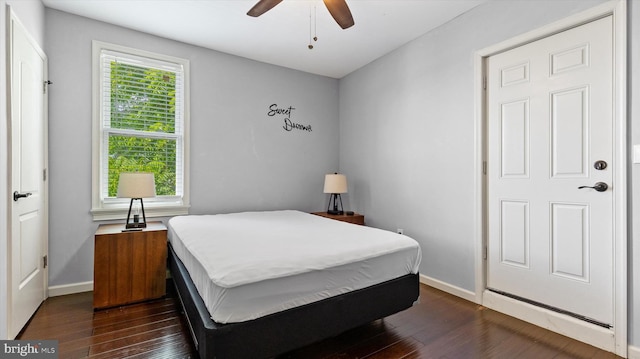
x=355, y=219
x=129, y=266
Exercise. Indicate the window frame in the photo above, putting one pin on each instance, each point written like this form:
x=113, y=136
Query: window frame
x=110, y=208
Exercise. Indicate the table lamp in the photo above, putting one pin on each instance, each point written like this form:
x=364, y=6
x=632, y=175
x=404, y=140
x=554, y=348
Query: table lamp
x=136, y=185
x=335, y=184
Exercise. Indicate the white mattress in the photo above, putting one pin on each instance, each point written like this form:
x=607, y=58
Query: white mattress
x=248, y=265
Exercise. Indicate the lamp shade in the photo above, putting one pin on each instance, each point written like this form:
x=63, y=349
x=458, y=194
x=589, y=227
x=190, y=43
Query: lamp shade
x=136, y=185
x=335, y=183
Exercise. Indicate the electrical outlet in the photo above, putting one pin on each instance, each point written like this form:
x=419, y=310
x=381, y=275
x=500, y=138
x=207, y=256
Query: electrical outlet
x=400, y=231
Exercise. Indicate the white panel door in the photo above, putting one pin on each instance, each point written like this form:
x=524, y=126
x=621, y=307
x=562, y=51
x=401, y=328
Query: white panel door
x=28, y=212
x=550, y=119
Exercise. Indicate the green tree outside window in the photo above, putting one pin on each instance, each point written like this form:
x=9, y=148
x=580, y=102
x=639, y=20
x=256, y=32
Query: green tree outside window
x=142, y=119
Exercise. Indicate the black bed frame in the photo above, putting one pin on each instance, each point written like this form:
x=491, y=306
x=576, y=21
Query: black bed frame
x=290, y=329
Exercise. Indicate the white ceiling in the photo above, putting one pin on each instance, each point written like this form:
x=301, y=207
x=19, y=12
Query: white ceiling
x=282, y=35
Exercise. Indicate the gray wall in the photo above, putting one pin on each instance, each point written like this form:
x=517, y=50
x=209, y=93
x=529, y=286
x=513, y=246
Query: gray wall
x=407, y=136
x=31, y=15
x=241, y=159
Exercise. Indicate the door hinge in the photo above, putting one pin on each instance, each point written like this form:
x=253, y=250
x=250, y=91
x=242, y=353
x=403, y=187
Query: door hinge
x=484, y=255
x=484, y=83
x=44, y=174
x=484, y=167
x=44, y=86
x=45, y=261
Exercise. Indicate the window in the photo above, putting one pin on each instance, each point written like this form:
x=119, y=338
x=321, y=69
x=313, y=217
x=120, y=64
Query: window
x=141, y=123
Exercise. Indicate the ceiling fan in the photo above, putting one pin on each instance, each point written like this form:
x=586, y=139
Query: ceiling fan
x=338, y=9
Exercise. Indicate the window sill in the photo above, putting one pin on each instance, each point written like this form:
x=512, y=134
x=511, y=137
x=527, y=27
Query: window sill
x=120, y=212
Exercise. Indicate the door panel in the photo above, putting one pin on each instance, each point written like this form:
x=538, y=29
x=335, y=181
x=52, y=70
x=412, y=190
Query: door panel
x=550, y=118
x=515, y=139
x=514, y=234
x=569, y=129
x=570, y=241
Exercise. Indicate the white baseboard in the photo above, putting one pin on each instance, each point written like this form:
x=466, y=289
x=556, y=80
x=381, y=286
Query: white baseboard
x=634, y=352
x=449, y=288
x=58, y=290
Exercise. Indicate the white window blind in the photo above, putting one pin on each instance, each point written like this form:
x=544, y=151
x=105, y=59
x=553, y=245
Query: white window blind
x=141, y=124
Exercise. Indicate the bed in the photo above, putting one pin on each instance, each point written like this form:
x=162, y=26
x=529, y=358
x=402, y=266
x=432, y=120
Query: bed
x=259, y=284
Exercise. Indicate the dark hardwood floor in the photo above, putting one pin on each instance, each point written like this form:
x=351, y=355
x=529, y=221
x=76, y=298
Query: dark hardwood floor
x=441, y=326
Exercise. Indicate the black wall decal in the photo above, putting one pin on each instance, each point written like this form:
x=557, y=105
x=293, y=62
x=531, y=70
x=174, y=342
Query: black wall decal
x=289, y=125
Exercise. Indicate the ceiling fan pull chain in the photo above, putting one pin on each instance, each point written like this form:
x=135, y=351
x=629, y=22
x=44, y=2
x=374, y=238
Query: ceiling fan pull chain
x=312, y=26
x=315, y=23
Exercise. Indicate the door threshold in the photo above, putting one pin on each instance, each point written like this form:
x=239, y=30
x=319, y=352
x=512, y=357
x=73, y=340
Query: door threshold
x=552, y=308
x=586, y=332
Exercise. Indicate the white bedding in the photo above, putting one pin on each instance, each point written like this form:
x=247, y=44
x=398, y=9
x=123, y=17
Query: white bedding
x=251, y=264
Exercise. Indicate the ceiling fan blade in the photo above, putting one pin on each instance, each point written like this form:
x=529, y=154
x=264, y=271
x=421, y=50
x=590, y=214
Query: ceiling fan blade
x=262, y=6
x=340, y=12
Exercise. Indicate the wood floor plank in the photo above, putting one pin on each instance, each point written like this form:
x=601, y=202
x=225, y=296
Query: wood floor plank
x=147, y=347
x=369, y=346
x=439, y=326
x=117, y=325
x=111, y=336
x=398, y=349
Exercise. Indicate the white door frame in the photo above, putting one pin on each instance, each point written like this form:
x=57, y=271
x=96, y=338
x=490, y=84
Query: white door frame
x=614, y=340
x=11, y=19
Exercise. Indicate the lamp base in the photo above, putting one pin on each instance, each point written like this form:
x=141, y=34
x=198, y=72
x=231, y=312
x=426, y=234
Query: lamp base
x=136, y=224
x=139, y=225
x=335, y=211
